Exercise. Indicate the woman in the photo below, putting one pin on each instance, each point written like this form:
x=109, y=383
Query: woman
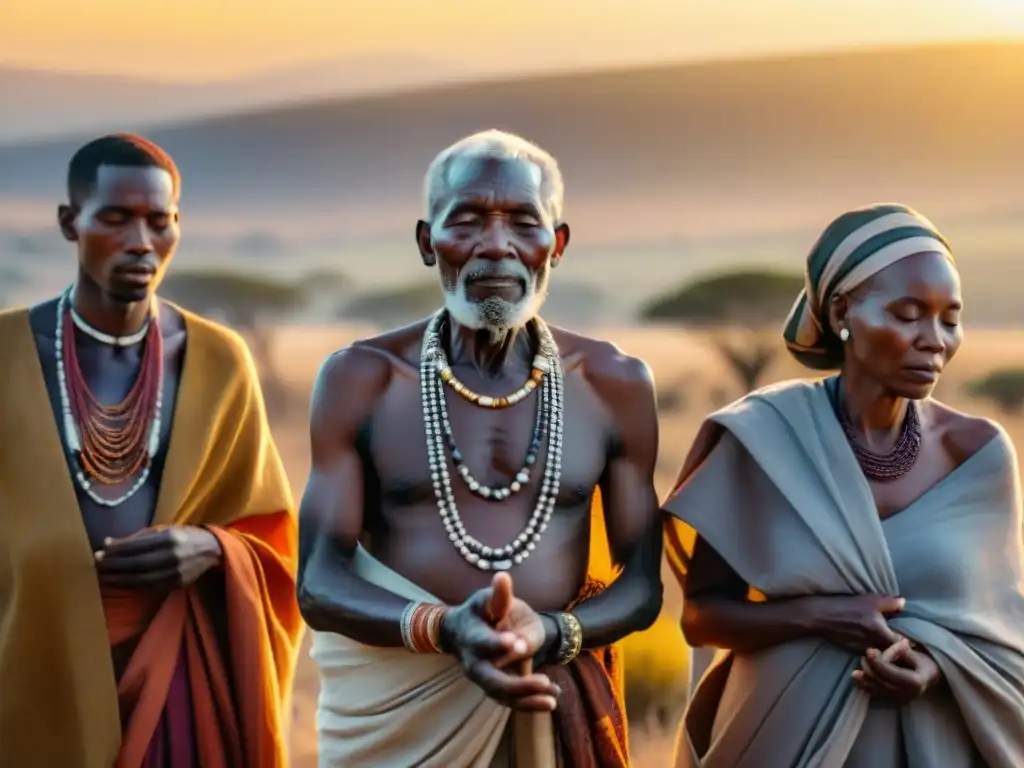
x=853, y=544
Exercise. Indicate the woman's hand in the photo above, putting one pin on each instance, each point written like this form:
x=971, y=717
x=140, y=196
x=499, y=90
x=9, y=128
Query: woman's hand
x=855, y=622
x=900, y=673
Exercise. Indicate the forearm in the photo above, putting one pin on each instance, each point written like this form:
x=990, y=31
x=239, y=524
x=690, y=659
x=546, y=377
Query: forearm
x=743, y=626
x=336, y=600
x=630, y=604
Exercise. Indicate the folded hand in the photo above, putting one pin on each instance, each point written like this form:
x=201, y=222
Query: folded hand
x=489, y=632
x=158, y=558
x=901, y=672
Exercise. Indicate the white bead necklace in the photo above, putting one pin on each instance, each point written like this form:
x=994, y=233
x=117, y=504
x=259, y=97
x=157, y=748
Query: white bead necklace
x=105, y=338
x=71, y=435
x=437, y=426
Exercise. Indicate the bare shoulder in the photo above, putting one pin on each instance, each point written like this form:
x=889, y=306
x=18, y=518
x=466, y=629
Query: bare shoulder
x=361, y=371
x=609, y=369
x=964, y=434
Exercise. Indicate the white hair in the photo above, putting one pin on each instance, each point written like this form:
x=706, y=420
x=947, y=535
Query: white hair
x=501, y=146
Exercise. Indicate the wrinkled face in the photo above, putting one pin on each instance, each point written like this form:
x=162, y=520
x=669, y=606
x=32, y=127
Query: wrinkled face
x=126, y=231
x=493, y=242
x=904, y=324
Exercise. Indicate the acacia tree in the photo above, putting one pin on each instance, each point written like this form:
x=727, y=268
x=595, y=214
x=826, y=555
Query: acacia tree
x=743, y=311
x=395, y=306
x=251, y=304
x=1004, y=387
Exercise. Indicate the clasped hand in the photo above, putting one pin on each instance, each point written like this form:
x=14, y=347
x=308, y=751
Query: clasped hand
x=860, y=624
x=158, y=558
x=495, y=636
x=901, y=672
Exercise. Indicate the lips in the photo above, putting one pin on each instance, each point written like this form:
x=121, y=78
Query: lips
x=923, y=373
x=495, y=282
x=135, y=275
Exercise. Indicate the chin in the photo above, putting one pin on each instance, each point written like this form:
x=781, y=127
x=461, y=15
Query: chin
x=493, y=314
x=913, y=391
x=127, y=295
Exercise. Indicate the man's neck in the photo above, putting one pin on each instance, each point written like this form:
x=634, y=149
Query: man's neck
x=491, y=352
x=113, y=318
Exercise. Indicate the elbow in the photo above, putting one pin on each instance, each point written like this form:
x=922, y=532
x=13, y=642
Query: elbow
x=312, y=608
x=308, y=606
x=693, y=628
x=648, y=608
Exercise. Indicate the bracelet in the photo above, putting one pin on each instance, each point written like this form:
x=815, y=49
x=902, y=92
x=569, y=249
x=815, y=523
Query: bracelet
x=570, y=636
x=421, y=627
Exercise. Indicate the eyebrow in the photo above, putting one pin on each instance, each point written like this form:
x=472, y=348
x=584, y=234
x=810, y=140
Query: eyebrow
x=127, y=211
x=924, y=304
x=471, y=206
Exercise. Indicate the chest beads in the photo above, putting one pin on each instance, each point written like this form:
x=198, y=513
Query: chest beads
x=110, y=444
x=547, y=375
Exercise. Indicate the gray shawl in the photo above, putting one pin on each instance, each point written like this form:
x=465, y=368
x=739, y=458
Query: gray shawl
x=773, y=486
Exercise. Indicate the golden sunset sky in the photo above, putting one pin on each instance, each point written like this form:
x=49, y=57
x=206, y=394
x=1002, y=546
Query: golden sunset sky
x=204, y=39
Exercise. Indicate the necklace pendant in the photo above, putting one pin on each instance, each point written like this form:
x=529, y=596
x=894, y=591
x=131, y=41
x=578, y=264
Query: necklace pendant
x=501, y=565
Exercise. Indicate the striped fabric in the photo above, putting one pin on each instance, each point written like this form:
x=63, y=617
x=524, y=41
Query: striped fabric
x=852, y=248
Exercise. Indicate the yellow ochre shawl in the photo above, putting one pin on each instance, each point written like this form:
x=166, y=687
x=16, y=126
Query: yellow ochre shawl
x=58, y=693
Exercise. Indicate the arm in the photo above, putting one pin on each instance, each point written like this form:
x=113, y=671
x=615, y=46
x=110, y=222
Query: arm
x=632, y=516
x=331, y=597
x=716, y=611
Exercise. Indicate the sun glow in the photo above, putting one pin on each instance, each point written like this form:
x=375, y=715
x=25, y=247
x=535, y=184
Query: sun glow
x=1009, y=13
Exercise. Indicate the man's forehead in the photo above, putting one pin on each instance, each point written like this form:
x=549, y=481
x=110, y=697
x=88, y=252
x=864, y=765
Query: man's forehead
x=466, y=171
x=133, y=183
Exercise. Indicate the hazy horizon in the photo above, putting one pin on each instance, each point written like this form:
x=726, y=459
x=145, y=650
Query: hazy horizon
x=542, y=35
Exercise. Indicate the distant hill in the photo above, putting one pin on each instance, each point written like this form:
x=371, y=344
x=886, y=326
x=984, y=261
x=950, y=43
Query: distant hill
x=669, y=169
x=939, y=124
x=43, y=103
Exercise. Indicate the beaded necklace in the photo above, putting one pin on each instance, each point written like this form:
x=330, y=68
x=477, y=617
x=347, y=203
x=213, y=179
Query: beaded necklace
x=109, y=442
x=439, y=436
x=893, y=465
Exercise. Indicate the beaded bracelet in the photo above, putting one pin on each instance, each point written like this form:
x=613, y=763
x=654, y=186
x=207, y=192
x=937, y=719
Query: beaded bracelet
x=421, y=627
x=570, y=636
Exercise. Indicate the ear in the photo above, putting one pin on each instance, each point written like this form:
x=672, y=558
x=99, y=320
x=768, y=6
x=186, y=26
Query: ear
x=425, y=245
x=561, y=243
x=67, y=216
x=838, y=312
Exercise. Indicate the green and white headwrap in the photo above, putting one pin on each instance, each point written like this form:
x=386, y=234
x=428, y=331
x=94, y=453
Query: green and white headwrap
x=853, y=248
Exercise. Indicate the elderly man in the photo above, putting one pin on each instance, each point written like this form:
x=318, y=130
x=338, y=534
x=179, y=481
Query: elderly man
x=147, y=532
x=455, y=455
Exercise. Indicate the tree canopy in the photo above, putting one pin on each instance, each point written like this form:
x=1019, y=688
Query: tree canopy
x=749, y=297
x=243, y=299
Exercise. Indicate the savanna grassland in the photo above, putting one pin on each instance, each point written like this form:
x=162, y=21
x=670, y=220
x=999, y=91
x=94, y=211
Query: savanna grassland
x=685, y=366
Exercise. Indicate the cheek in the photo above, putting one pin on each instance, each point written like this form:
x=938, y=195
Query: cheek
x=882, y=343
x=98, y=243
x=164, y=242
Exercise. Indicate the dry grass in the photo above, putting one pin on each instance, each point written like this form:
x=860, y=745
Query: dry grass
x=678, y=359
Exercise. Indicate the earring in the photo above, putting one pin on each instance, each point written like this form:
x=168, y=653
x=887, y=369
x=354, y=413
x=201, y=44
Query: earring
x=844, y=334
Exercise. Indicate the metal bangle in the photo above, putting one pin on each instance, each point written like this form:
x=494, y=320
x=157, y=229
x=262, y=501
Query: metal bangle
x=570, y=636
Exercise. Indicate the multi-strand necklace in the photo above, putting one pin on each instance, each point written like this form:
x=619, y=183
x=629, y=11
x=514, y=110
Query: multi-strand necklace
x=111, y=444
x=893, y=465
x=435, y=373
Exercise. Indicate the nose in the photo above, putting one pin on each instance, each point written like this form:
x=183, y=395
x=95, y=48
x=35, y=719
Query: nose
x=137, y=239
x=931, y=338
x=495, y=242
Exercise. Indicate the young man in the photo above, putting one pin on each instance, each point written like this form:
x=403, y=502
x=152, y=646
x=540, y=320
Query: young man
x=466, y=444
x=147, y=532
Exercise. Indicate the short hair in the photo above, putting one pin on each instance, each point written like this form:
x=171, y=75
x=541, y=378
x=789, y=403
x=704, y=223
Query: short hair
x=123, y=149
x=498, y=145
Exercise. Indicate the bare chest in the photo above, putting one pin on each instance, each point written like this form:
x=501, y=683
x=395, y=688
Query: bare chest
x=492, y=445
